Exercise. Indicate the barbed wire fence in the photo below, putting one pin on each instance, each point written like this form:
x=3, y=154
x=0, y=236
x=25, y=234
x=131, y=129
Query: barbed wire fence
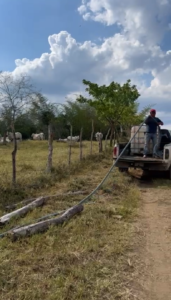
x=32, y=158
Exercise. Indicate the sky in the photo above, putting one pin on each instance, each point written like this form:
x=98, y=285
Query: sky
x=58, y=43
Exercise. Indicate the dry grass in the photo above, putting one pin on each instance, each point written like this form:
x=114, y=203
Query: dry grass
x=86, y=258
x=32, y=158
x=31, y=167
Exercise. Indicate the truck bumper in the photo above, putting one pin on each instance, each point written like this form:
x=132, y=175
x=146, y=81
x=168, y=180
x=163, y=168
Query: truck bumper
x=142, y=163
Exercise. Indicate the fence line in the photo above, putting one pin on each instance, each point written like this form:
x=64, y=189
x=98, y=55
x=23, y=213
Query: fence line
x=26, y=166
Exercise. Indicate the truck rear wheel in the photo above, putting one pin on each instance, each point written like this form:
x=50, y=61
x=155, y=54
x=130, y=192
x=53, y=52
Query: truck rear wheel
x=169, y=173
x=123, y=170
x=148, y=174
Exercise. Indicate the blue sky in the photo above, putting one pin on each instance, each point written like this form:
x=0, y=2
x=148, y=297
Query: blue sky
x=87, y=43
x=26, y=24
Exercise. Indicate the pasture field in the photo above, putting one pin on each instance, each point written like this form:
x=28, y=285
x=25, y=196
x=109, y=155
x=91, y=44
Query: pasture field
x=88, y=258
x=32, y=159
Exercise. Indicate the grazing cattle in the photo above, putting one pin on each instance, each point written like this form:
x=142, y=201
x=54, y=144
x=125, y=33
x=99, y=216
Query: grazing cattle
x=2, y=140
x=38, y=136
x=73, y=138
x=62, y=140
x=99, y=136
x=69, y=140
x=18, y=136
x=42, y=136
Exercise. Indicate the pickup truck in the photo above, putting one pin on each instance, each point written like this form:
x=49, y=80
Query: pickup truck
x=133, y=155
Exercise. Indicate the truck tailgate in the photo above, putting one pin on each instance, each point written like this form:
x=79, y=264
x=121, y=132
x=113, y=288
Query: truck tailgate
x=138, y=159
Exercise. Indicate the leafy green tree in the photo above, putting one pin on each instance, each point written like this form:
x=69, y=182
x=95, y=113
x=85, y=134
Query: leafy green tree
x=115, y=104
x=25, y=125
x=80, y=115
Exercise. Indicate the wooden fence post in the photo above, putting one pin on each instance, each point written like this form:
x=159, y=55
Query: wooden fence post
x=70, y=146
x=106, y=137
x=100, y=145
x=81, y=144
x=50, y=146
x=91, y=141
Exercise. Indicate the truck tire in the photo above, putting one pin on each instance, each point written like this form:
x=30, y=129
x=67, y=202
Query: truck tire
x=123, y=170
x=147, y=174
x=169, y=173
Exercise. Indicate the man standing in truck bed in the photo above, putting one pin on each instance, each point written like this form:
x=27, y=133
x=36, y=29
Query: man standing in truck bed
x=151, y=132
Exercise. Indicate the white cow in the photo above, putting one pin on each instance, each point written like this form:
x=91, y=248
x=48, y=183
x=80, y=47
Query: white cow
x=62, y=140
x=42, y=136
x=70, y=141
x=2, y=140
x=18, y=136
x=38, y=136
x=99, y=136
x=73, y=138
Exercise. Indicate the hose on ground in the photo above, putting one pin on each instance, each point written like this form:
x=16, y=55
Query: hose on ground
x=87, y=198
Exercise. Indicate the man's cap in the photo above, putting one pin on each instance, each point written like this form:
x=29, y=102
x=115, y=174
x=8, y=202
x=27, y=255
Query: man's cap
x=152, y=110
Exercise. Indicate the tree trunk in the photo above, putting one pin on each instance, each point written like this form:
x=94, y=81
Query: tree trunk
x=23, y=210
x=106, y=137
x=116, y=137
x=4, y=138
x=100, y=145
x=50, y=146
x=121, y=130
x=14, y=153
x=111, y=134
x=44, y=225
x=81, y=144
x=91, y=141
x=13, y=206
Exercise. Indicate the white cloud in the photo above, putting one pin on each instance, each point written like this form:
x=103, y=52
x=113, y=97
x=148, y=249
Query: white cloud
x=133, y=53
x=146, y=19
x=61, y=71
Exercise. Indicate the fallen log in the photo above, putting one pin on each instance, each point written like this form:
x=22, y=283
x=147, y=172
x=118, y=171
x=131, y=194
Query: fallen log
x=44, y=225
x=23, y=210
x=12, y=206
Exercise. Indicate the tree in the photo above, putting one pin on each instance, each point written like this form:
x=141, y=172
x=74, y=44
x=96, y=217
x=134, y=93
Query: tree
x=115, y=104
x=80, y=115
x=25, y=125
x=45, y=113
x=15, y=95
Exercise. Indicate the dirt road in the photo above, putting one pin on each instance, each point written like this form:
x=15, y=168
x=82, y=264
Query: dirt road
x=155, y=249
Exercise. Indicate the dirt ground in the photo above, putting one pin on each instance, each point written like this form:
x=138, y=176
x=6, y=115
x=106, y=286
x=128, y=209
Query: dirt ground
x=153, y=280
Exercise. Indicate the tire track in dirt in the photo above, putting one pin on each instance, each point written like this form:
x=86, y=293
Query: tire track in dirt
x=155, y=249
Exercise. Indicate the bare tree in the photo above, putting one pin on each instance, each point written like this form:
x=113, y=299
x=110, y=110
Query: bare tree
x=15, y=95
